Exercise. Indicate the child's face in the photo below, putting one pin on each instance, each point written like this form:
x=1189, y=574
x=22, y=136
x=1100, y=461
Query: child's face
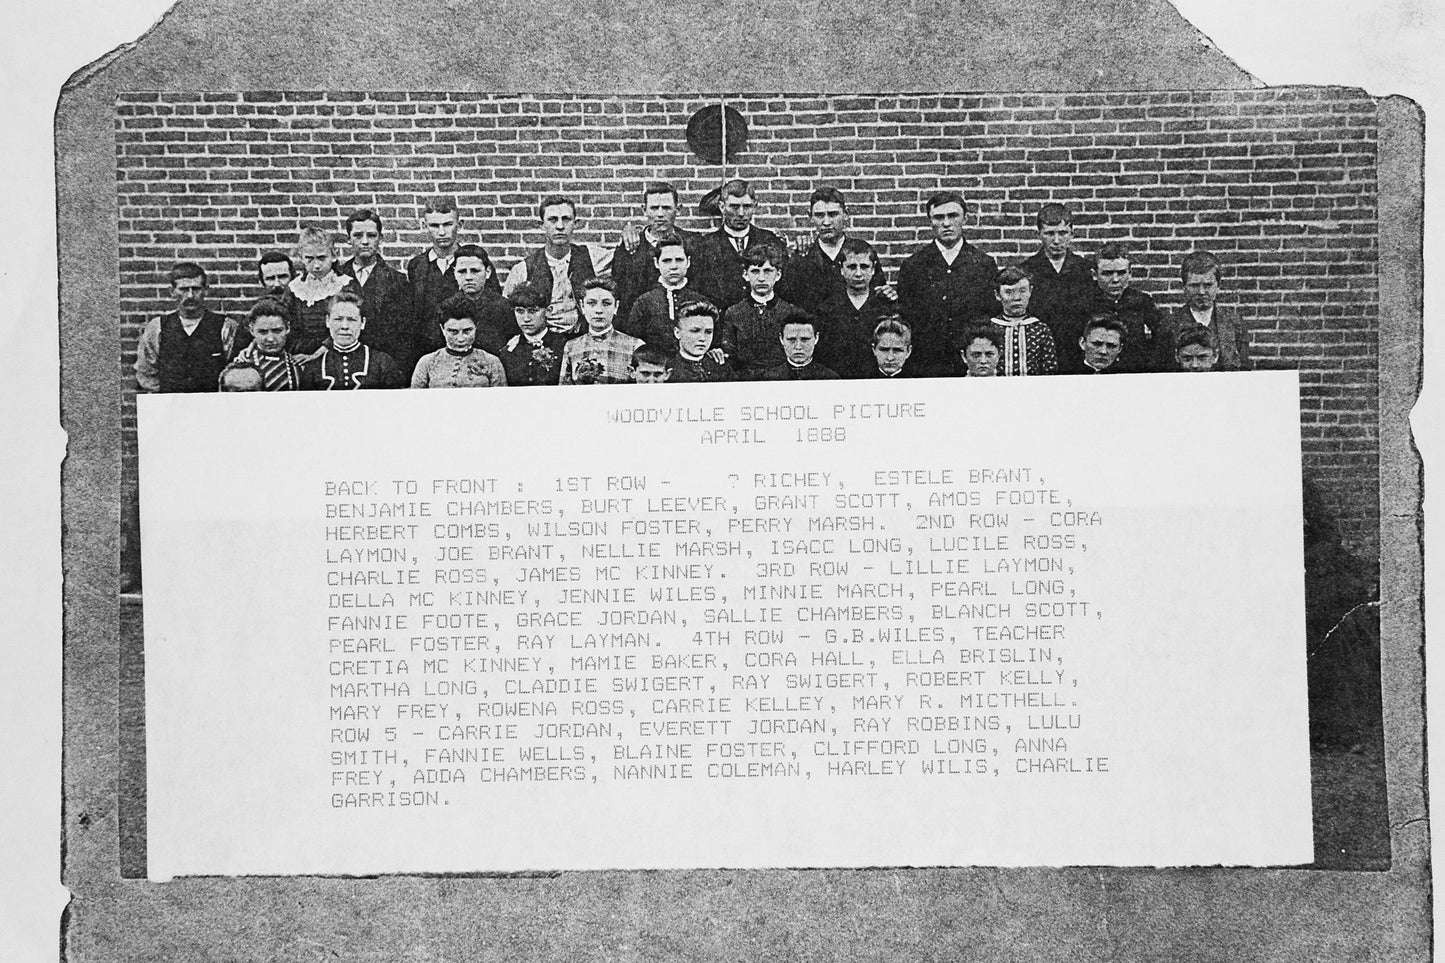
x=532, y=321
x=649, y=374
x=799, y=340
x=1101, y=347
x=672, y=264
x=982, y=358
x=268, y=334
x=471, y=275
x=890, y=351
x=1197, y=357
x=441, y=228
x=1014, y=298
x=316, y=259
x=599, y=307
x=1057, y=239
x=762, y=278
x=694, y=336
x=1201, y=290
x=460, y=333
x=1112, y=276
x=857, y=270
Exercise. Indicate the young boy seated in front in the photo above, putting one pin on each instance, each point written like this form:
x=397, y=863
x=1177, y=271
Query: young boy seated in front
x=981, y=347
x=750, y=328
x=1102, y=343
x=695, y=360
x=1195, y=349
x=603, y=355
x=892, y=344
x=1027, y=343
x=649, y=365
x=847, y=319
x=654, y=314
x=800, y=342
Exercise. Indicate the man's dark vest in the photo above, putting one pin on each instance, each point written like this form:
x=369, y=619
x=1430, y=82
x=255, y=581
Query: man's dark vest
x=579, y=270
x=191, y=362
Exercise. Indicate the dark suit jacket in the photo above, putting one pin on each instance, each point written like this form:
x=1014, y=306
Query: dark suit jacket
x=814, y=278
x=1229, y=331
x=845, y=333
x=1148, y=343
x=717, y=267
x=1059, y=299
x=938, y=298
x=387, y=307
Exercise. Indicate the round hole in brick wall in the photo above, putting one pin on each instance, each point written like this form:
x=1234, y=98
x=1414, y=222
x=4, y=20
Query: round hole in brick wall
x=705, y=133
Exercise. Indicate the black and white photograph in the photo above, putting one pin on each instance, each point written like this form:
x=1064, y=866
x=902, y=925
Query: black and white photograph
x=1050, y=667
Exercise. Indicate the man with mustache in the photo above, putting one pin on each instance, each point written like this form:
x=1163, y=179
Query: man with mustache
x=186, y=349
x=718, y=257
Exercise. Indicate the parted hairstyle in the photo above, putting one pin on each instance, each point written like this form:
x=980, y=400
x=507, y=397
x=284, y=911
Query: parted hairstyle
x=275, y=257
x=737, y=187
x=697, y=309
x=1104, y=319
x=975, y=332
x=473, y=250
x=553, y=200
x=598, y=284
x=1007, y=276
x=760, y=254
x=360, y=216
x=659, y=187
x=441, y=204
x=267, y=308
x=940, y=198
x=830, y=194
x=344, y=296
x=892, y=324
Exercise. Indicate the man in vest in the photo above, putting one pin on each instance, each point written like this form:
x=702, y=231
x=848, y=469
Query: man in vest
x=186, y=349
x=559, y=266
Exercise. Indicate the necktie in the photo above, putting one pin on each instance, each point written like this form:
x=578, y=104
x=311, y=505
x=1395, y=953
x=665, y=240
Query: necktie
x=671, y=306
x=740, y=242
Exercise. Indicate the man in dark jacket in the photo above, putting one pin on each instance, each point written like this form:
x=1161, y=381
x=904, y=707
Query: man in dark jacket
x=718, y=257
x=1147, y=341
x=391, y=324
x=1062, y=282
x=943, y=286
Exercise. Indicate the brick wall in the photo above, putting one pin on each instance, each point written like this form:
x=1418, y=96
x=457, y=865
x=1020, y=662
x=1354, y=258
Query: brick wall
x=1280, y=183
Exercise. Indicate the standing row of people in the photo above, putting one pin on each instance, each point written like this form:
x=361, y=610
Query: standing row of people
x=362, y=323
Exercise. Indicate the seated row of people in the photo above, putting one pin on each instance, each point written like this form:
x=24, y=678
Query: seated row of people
x=745, y=271
x=474, y=356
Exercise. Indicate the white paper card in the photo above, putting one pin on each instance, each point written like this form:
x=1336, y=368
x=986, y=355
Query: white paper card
x=1040, y=621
